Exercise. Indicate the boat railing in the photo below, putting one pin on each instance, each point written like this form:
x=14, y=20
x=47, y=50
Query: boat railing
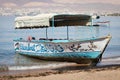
x=32, y=39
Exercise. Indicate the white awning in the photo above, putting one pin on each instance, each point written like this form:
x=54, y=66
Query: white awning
x=33, y=21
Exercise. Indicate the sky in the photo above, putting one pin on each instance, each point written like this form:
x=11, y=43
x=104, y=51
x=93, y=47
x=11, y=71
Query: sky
x=60, y=4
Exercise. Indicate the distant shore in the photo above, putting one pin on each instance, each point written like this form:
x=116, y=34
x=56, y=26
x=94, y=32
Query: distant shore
x=69, y=72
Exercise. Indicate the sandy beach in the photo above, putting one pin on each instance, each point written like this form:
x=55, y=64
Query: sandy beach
x=69, y=72
x=94, y=75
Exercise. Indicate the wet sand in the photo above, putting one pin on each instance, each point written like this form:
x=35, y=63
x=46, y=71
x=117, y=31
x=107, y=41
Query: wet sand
x=68, y=72
x=92, y=75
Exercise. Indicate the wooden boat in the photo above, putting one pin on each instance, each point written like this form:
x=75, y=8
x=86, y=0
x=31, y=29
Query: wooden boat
x=79, y=51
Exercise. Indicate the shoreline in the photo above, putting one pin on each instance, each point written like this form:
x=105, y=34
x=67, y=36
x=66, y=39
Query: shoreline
x=105, y=62
x=68, y=69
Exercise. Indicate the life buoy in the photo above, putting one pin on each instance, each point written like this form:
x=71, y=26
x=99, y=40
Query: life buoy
x=29, y=38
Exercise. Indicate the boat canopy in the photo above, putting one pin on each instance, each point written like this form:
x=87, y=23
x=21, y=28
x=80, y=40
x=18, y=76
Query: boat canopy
x=50, y=20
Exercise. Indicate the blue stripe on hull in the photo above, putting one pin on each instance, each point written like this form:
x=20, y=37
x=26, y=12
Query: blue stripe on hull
x=71, y=55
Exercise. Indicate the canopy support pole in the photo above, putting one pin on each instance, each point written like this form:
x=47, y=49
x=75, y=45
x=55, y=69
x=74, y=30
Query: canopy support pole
x=91, y=27
x=46, y=33
x=53, y=25
x=67, y=33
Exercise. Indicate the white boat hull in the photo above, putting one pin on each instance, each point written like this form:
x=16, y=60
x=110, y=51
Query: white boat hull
x=63, y=50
